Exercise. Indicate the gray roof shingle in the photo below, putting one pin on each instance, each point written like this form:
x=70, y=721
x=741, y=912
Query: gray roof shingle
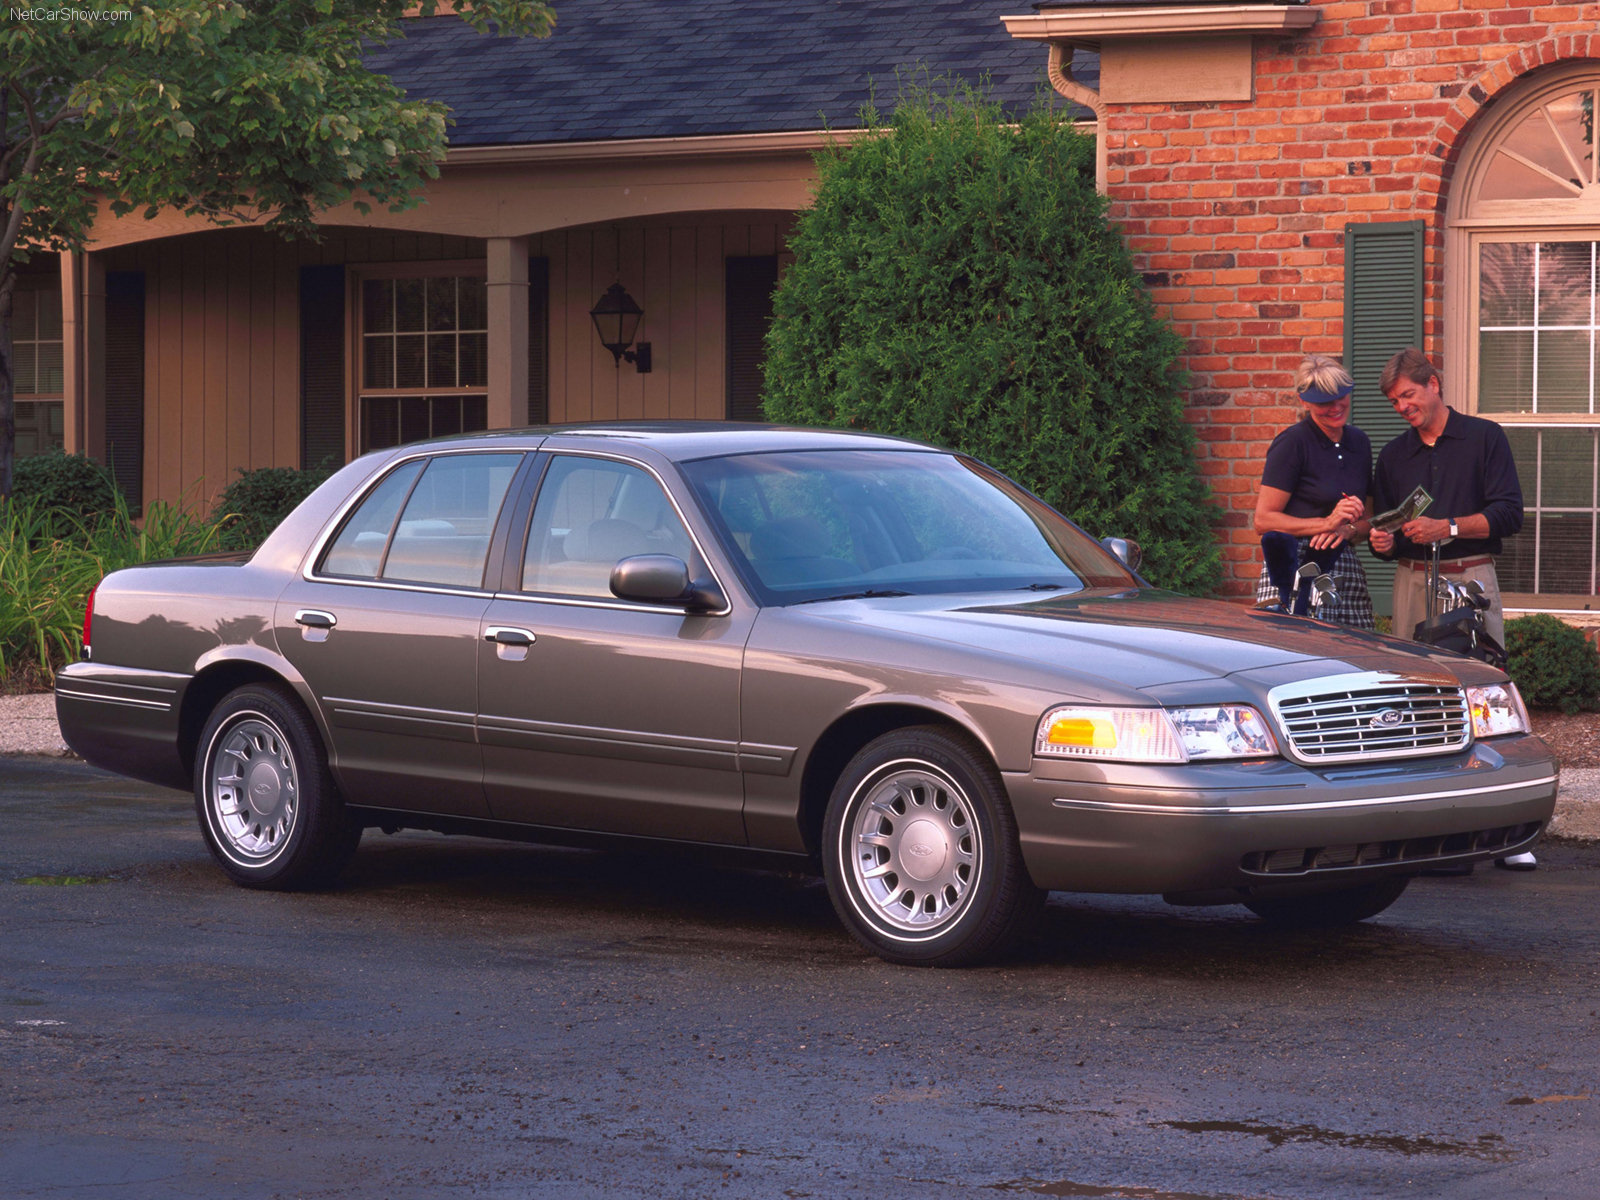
x=618, y=69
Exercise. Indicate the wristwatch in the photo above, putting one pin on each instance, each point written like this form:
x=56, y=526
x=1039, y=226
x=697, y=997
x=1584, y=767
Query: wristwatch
x=1454, y=532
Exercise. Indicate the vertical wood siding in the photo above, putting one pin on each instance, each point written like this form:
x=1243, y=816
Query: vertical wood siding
x=222, y=332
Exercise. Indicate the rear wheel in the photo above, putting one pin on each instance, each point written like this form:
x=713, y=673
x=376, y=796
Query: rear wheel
x=267, y=804
x=921, y=853
x=1324, y=910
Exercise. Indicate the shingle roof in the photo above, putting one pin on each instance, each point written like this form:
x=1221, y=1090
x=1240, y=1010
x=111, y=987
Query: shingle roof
x=680, y=68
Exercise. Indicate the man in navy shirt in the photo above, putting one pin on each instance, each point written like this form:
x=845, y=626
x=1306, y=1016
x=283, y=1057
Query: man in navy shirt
x=1465, y=464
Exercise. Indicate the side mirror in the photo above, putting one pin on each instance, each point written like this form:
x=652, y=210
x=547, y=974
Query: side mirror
x=664, y=579
x=1125, y=552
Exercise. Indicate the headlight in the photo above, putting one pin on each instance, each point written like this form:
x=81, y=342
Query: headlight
x=1154, y=734
x=1497, y=709
x=1227, y=731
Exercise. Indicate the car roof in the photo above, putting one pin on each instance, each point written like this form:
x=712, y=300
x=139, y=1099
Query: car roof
x=680, y=441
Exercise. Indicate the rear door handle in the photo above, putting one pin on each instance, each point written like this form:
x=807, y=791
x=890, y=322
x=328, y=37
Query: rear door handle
x=315, y=618
x=509, y=635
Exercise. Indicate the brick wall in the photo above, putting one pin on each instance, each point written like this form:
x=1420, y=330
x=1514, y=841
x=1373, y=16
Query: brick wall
x=1236, y=211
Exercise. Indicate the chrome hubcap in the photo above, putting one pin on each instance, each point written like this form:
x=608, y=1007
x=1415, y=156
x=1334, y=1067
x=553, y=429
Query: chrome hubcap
x=914, y=848
x=253, y=788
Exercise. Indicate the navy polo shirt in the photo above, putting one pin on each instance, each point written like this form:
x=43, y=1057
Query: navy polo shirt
x=1469, y=469
x=1315, y=470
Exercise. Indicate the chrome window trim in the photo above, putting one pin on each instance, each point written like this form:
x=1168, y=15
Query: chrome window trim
x=688, y=527
x=336, y=522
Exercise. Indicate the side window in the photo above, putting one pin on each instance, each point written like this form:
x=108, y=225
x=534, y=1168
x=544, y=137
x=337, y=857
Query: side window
x=591, y=514
x=443, y=533
x=358, y=550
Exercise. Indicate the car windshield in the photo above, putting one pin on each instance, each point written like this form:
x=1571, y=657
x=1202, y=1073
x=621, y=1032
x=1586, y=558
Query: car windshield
x=830, y=524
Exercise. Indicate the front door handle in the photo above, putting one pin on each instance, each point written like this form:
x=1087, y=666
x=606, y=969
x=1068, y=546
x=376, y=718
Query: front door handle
x=509, y=635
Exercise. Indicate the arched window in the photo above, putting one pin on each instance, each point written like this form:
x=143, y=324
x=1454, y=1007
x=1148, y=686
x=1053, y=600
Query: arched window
x=1522, y=289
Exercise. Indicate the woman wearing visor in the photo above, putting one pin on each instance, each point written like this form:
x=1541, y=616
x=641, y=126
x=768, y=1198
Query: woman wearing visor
x=1317, y=487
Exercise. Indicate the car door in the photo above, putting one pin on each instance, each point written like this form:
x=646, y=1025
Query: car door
x=596, y=713
x=384, y=629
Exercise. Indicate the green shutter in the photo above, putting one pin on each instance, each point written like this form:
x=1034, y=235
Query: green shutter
x=538, y=340
x=748, y=301
x=124, y=345
x=1382, y=315
x=321, y=367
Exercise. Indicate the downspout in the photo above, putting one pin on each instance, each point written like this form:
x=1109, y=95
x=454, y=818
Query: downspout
x=1060, y=58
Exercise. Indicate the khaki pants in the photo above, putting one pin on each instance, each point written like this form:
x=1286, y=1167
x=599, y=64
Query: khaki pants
x=1411, y=598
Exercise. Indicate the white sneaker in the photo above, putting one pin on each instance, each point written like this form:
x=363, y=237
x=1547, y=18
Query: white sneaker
x=1518, y=862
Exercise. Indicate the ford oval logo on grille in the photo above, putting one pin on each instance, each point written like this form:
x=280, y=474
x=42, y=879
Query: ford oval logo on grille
x=1387, y=719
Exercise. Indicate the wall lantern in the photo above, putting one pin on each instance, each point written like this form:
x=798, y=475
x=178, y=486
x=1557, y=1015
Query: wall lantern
x=616, y=317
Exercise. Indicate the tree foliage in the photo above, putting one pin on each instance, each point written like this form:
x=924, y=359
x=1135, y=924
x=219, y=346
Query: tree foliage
x=228, y=110
x=956, y=281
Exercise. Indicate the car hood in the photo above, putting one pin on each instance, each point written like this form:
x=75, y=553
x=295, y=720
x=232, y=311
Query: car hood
x=1137, y=638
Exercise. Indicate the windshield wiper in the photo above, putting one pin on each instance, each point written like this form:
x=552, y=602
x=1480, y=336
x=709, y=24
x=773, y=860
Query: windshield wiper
x=869, y=594
x=1041, y=587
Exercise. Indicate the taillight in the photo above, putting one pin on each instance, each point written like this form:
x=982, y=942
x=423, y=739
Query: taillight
x=88, y=618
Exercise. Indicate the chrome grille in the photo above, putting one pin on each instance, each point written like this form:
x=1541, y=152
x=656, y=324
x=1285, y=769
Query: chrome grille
x=1368, y=715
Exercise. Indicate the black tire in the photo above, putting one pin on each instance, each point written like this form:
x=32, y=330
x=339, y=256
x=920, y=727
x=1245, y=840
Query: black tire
x=268, y=807
x=920, y=852
x=1326, y=910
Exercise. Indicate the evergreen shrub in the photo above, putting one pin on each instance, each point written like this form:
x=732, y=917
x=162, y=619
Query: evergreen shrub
x=63, y=490
x=956, y=281
x=1553, y=663
x=258, y=500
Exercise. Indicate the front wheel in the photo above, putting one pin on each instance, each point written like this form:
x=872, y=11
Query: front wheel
x=1325, y=910
x=920, y=852
x=268, y=806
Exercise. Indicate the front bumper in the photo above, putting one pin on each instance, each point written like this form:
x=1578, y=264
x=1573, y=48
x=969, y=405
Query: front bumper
x=1204, y=832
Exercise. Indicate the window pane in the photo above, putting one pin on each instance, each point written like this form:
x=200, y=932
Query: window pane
x=474, y=303
x=1506, y=284
x=446, y=415
x=442, y=303
x=40, y=427
x=441, y=360
x=474, y=414
x=377, y=370
x=1565, y=545
x=408, y=305
x=443, y=536
x=1566, y=471
x=377, y=306
x=51, y=376
x=1564, y=382
x=414, y=423
x=592, y=514
x=1535, y=142
x=1505, y=372
x=474, y=360
x=1566, y=283
x=1514, y=567
x=408, y=361
x=358, y=549
x=24, y=368
x=380, y=423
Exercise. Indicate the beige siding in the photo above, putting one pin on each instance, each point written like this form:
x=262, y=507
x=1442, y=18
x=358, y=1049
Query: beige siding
x=222, y=363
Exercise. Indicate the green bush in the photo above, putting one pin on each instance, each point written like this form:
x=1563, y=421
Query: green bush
x=48, y=575
x=956, y=282
x=1553, y=663
x=258, y=500
x=64, y=490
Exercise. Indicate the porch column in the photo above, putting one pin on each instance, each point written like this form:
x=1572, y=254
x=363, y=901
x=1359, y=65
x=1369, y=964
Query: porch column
x=508, y=332
x=83, y=344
